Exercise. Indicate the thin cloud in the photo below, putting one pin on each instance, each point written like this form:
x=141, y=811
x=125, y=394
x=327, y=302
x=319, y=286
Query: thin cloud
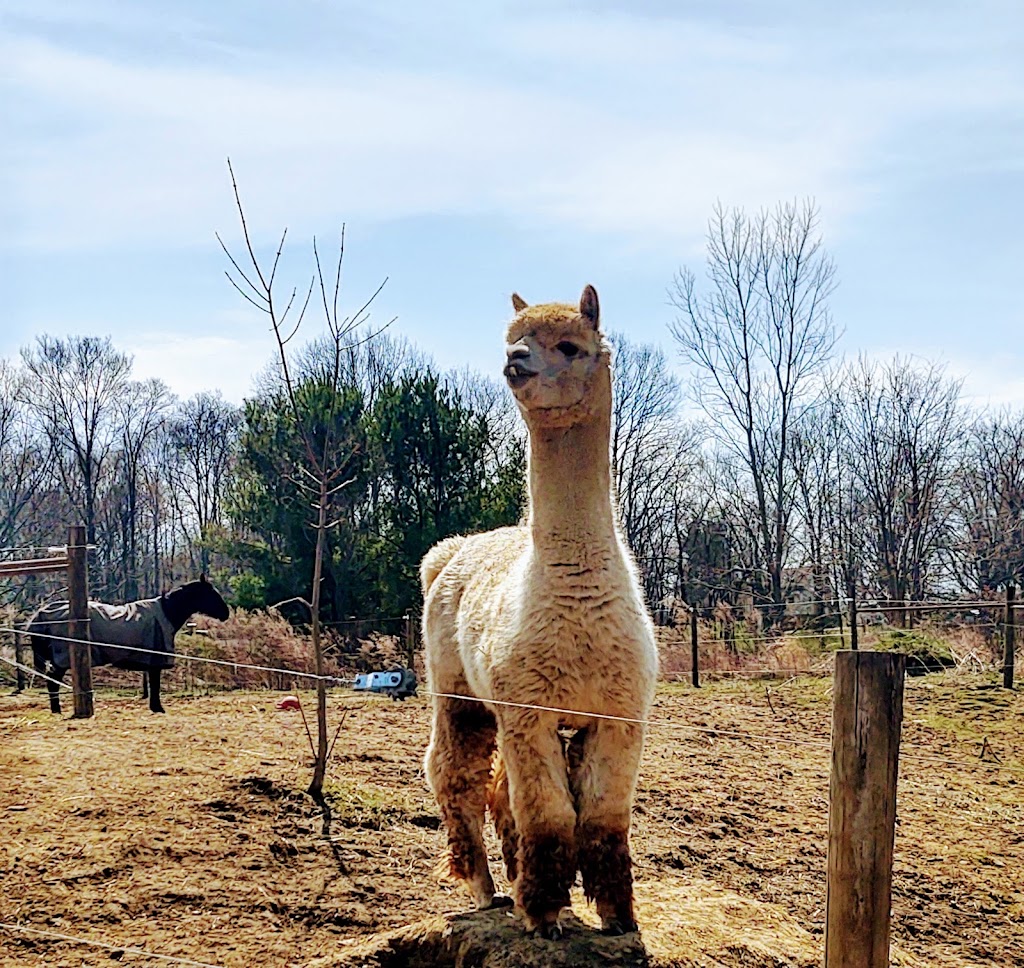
x=144, y=160
x=189, y=364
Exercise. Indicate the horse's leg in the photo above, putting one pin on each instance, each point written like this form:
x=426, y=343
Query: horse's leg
x=545, y=817
x=154, y=690
x=53, y=687
x=145, y=685
x=603, y=779
x=504, y=823
x=458, y=765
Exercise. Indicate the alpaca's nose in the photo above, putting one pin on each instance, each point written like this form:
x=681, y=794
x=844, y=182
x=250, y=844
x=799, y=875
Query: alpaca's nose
x=517, y=371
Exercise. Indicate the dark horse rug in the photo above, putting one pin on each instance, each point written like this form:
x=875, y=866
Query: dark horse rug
x=138, y=635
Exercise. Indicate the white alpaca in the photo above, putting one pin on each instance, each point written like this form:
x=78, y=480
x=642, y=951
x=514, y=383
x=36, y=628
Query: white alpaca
x=548, y=614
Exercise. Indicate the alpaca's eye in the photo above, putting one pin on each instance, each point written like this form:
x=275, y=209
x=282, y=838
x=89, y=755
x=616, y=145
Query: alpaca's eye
x=567, y=349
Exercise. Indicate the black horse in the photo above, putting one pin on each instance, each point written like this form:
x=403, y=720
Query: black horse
x=138, y=635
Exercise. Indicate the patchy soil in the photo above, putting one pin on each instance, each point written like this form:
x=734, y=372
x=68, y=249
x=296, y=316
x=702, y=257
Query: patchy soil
x=189, y=834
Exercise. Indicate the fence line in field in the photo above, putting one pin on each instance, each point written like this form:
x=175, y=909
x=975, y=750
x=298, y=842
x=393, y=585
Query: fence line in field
x=706, y=730
x=30, y=669
x=177, y=655
x=341, y=680
x=311, y=675
x=832, y=631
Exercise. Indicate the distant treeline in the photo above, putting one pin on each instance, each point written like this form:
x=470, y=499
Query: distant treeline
x=774, y=472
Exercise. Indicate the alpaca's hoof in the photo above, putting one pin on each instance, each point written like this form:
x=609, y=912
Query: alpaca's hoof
x=615, y=928
x=498, y=901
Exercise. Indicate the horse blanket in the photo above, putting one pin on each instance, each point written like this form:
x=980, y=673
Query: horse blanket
x=140, y=624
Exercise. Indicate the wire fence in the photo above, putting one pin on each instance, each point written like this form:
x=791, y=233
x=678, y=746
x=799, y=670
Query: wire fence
x=576, y=714
x=909, y=755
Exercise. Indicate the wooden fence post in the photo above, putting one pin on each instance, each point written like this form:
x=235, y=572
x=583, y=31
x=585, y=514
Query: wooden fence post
x=1008, y=636
x=867, y=715
x=694, y=651
x=78, y=621
x=853, y=618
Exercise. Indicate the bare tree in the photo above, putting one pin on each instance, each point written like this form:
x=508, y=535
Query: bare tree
x=758, y=338
x=653, y=456
x=75, y=388
x=828, y=499
x=904, y=428
x=24, y=458
x=142, y=409
x=203, y=440
x=325, y=471
x=990, y=502
x=491, y=399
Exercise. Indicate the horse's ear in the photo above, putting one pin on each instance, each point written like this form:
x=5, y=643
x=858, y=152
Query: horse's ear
x=202, y=578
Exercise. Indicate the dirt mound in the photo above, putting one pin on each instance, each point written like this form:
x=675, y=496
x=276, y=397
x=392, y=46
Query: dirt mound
x=685, y=923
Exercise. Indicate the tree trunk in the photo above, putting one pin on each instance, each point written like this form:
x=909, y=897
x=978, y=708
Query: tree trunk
x=316, y=786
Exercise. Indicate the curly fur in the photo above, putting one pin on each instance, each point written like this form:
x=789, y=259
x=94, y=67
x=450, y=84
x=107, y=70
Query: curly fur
x=550, y=614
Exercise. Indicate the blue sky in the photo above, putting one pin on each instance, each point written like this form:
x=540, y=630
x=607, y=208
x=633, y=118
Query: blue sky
x=474, y=149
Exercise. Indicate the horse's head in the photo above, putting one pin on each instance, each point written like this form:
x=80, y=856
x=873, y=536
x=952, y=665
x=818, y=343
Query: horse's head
x=207, y=600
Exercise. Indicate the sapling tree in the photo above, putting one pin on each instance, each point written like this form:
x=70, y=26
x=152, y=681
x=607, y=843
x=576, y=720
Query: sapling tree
x=325, y=467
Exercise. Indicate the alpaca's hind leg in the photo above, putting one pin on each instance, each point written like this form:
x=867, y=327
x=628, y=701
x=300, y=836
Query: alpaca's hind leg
x=458, y=767
x=603, y=779
x=544, y=819
x=504, y=823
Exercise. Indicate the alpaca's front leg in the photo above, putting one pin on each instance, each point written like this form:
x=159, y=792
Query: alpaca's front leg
x=603, y=782
x=458, y=767
x=545, y=819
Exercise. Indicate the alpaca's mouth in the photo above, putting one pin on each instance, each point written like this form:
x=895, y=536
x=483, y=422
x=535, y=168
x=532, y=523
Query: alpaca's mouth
x=517, y=375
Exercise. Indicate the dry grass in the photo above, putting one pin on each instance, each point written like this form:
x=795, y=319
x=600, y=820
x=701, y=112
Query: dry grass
x=188, y=834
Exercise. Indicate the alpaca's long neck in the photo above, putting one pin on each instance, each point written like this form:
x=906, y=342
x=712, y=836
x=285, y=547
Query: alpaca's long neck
x=570, y=490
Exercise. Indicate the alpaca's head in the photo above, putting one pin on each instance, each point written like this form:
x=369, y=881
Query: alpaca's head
x=558, y=363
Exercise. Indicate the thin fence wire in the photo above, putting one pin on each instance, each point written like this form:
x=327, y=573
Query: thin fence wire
x=125, y=949
x=31, y=671
x=831, y=632
x=179, y=655
x=581, y=714
x=712, y=731
x=34, y=549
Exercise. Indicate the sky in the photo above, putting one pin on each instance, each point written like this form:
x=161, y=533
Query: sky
x=476, y=149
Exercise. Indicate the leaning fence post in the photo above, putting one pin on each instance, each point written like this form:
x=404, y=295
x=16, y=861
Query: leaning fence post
x=78, y=622
x=1008, y=636
x=867, y=715
x=694, y=651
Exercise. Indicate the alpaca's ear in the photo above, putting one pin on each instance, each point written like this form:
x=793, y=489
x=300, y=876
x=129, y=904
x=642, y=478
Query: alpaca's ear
x=518, y=303
x=589, y=307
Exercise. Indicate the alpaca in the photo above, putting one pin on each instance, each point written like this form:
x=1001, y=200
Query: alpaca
x=549, y=614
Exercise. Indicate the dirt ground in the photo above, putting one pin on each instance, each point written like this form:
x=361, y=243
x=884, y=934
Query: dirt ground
x=189, y=835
